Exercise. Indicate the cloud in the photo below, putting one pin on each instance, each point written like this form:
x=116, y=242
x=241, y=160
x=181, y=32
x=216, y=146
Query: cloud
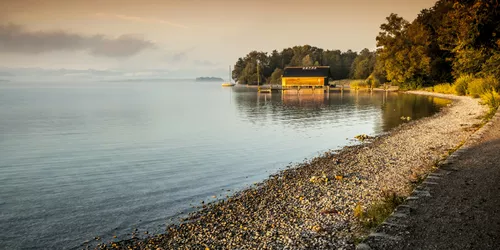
x=177, y=56
x=205, y=63
x=141, y=19
x=15, y=39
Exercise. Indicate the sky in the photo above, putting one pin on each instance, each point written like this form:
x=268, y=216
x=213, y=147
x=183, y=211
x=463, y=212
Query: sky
x=184, y=35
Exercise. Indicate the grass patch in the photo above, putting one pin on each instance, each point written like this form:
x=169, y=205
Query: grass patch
x=492, y=99
x=378, y=211
x=444, y=88
x=480, y=86
x=489, y=115
x=359, y=84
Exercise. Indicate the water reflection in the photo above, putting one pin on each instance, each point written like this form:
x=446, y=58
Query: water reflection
x=306, y=109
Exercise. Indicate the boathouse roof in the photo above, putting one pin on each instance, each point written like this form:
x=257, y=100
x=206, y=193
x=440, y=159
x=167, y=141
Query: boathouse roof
x=309, y=71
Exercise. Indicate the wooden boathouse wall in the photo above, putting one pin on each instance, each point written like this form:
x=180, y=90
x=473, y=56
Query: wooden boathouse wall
x=305, y=77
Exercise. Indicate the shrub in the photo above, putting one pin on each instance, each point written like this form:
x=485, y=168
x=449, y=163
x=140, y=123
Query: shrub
x=430, y=89
x=444, y=88
x=480, y=86
x=359, y=84
x=414, y=83
x=462, y=83
x=491, y=98
x=373, y=81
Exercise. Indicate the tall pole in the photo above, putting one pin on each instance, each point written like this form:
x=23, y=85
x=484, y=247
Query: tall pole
x=258, y=74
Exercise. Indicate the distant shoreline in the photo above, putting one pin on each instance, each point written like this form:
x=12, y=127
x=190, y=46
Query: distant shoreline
x=209, y=79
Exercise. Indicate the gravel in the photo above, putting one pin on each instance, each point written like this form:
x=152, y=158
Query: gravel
x=310, y=205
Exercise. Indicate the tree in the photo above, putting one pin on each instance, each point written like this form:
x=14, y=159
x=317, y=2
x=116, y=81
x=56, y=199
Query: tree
x=379, y=76
x=403, y=51
x=333, y=58
x=492, y=66
x=470, y=31
x=275, y=60
x=340, y=62
x=276, y=76
x=347, y=58
x=307, y=61
x=363, y=65
x=238, y=69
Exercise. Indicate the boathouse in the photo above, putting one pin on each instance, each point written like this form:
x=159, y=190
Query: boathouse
x=305, y=77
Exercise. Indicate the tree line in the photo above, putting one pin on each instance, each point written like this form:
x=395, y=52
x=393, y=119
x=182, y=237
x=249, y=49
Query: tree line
x=343, y=65
x=449, y=40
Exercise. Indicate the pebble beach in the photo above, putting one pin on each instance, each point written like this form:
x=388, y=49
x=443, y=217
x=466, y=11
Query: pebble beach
x=311, y=205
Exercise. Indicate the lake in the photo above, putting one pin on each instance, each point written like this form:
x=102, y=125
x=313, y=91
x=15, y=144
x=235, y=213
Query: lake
x=80, y=160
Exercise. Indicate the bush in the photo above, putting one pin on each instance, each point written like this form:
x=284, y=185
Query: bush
x=480, y=86
x=373, y=81
x=462, y=83
x=491, y=98
x=444, y=88
x=414, y=83
x=359, y=84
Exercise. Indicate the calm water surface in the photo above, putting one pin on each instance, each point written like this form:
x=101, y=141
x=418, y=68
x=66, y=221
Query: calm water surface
x=79, y=160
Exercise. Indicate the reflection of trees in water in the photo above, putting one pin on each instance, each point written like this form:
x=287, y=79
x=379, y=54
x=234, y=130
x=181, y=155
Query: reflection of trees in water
x=308, y=109
x=415, y=106
x=293, y=109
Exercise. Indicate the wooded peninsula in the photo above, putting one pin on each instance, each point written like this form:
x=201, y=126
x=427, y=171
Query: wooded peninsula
x=454, y=41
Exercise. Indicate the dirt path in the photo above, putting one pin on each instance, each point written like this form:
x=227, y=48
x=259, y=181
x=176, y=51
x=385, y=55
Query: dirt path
x=463, y=211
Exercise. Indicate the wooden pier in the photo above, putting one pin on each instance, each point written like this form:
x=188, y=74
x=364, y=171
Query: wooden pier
x=277, y=88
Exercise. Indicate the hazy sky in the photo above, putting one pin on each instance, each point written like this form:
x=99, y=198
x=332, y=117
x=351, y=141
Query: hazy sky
x=180, y=34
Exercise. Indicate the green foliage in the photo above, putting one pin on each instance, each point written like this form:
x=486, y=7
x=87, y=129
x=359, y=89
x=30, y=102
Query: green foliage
x=245, y=69
x=276, y=76
x=413, y=83
x=450, y=39
x=379, y=74
x=491, y=98
x=462, y=83
x=480, y=86
x=468, y=61
x=475, y=87
x=307, y=61
x=373, y=82
x=359, y=84
x=444, y=42
x=492, y=65
x=363, y=65
x=403, y=51
x=444, y=88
